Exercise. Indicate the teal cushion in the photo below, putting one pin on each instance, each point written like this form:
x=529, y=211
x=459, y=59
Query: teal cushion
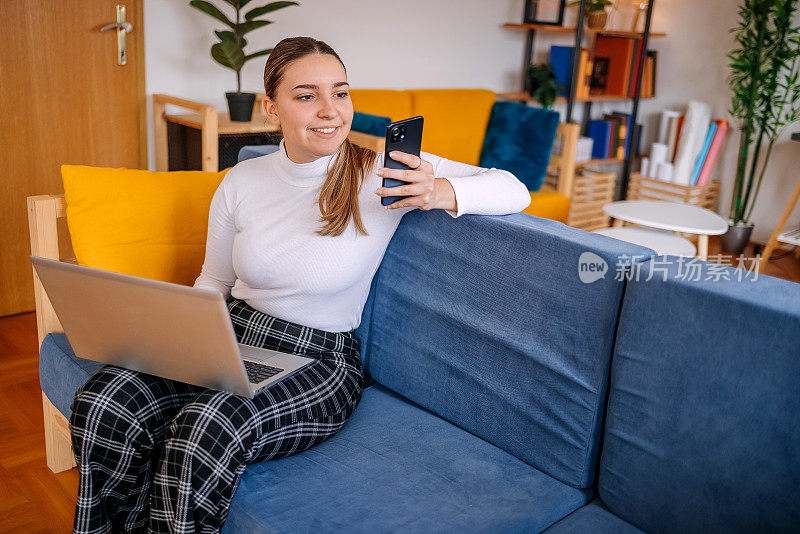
x=519, y=139
x=370, y=124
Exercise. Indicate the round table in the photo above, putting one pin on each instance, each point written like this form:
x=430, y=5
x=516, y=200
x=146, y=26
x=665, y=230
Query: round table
x=671, y=216
x=659, y=240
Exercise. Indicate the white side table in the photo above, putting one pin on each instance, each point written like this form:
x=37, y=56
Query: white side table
x=662, y=242
x=671, y=216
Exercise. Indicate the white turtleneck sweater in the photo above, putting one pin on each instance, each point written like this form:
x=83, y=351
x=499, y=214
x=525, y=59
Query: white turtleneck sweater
x=262, y=247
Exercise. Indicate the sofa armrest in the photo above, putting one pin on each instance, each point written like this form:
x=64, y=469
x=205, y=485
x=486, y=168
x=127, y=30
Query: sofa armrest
x=43, y=214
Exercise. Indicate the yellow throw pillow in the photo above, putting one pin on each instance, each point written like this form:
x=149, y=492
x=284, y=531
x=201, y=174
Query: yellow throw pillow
x=143, y=223
x=455, y=121
x=384, y=102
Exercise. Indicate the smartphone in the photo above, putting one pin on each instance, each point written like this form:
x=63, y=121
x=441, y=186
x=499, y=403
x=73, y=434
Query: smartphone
x=403, y=136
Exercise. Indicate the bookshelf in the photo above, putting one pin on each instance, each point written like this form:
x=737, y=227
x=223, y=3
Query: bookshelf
x=564, y=29
x=580, y=31
x=525, y=97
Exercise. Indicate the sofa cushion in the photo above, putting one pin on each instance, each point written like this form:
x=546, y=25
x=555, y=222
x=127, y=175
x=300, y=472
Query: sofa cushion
x=519, y=139
x=485, y=321
x=703, y=425
x=395, y=467
x=143, y=223
x=370, y=124
x=455, y=121
x=61, y=373
x=548, y=203
x=594, y=518
x=382, y=102
x=255, y=151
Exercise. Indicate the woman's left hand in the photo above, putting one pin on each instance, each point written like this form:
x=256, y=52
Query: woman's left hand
x=422, y=186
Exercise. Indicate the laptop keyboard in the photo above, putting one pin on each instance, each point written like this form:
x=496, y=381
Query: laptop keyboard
x=258, y=372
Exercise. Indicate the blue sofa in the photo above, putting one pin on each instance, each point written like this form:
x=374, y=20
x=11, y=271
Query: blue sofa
x=545, y=386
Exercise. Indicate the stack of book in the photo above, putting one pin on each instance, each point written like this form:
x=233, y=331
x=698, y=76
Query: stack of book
x=611, y=70
x=671, y=133
x=613, y=136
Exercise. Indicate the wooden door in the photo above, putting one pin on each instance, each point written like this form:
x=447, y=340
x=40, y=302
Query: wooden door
x=64, y=99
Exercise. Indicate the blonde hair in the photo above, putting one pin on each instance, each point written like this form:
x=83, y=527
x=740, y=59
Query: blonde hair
x=338, y=198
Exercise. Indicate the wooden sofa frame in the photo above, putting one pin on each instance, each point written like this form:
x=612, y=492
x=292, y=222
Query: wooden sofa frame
x=43, y=214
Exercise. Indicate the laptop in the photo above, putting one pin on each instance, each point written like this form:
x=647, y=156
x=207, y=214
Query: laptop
x=163, y=329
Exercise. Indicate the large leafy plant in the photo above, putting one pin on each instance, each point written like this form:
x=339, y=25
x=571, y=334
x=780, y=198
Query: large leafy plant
x=766, y=94
x=229, y=51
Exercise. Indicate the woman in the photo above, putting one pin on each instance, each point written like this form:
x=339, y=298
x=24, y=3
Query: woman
x=162, y=454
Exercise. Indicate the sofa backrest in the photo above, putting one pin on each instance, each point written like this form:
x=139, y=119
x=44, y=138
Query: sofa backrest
x=455, y=119
x=485, y=321
x=703, y=425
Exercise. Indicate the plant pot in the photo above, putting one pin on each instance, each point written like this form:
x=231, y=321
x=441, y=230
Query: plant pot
x=737, y=237
x=240, y=106
x=597, y=19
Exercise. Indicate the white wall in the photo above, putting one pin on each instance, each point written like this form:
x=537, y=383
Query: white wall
x=692, y=65
x=383, y=44
x=461, y=43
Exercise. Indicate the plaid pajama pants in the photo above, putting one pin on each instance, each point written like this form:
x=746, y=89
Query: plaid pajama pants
x=157, y=455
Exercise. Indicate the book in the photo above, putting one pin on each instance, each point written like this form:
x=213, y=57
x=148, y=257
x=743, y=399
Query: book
x=636, y=58
x=672, y=138
x=663, y=128
x=599, y=76
x=698, y=115
x=584, y=74
x=629, y=129
x=653, y=54
x=561, y=61
x=647, y=90
x=701, y=157
x=619, y=51
x=600, y=132
x=619, y=135
x=713, y=151
x=678, y=133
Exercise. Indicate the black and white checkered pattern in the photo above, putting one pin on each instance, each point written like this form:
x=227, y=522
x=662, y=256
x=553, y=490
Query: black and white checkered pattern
x=156, y=455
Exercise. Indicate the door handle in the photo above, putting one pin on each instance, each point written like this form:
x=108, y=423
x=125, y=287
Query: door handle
x=122, y=28
x=127, y=26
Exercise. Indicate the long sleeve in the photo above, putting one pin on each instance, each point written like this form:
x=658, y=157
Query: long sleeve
x=481, y=191
x=217, y=272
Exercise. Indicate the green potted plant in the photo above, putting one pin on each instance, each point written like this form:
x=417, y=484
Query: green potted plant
x=543, y=85
x=766, y=98
x=229, y=51
x=596, y=14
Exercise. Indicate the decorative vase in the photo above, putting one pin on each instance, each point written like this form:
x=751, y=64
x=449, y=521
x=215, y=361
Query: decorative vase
x=597, y=19
x=737, y=237
x=240, y=106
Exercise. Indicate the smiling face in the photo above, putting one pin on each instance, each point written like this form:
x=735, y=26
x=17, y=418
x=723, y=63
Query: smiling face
x=312, y=106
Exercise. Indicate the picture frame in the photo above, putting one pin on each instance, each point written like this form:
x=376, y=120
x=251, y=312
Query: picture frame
x=544, y=12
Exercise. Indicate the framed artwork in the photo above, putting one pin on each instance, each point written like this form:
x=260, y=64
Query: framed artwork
x=547, y=12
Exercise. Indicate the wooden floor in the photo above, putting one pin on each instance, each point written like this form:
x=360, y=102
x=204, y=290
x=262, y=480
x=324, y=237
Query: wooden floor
x=32, y=498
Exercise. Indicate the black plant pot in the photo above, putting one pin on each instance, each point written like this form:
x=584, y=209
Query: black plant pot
x=240, y=106
x=737, y=237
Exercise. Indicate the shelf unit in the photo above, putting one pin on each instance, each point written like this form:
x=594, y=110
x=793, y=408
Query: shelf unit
x=788, y=237
x=580, y=31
